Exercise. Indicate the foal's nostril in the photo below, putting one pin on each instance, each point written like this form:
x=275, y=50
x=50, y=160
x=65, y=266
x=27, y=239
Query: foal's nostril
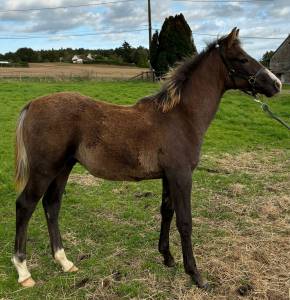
x=277, y=85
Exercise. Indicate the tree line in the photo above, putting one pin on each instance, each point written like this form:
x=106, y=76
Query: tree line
x=124, y=55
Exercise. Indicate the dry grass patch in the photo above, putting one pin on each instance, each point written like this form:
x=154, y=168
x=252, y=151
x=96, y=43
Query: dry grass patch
x=251, y=260
x=252, y=162
x=85, y=179
x=258, y=262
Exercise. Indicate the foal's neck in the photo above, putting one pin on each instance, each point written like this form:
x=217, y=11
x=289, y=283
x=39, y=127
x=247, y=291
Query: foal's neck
x=203, y=92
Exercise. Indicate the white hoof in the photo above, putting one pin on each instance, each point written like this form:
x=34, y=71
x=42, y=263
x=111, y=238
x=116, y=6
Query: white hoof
x=24, y=276
x=66, y=264
x=28, y=283
x=73, y=269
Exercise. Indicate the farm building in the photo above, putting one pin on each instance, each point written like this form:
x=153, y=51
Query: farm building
x=80, y=59
x=4, y=63
x=90, y=57
x=77, y=60
x=280, y=61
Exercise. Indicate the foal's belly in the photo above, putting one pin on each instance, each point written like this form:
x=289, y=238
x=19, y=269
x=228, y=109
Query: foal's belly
x=119, y=164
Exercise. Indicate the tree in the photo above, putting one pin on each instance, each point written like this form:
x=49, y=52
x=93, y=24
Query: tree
x=141, y=57
x=161, y=66
x=266, y=58
x=12, y=57
x=27, y=55
x=126, y=52
x=154, y=49
x=173, y=44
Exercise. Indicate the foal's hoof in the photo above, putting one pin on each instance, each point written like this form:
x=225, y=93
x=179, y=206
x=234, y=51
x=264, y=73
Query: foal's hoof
x=207, y=287
x=73, y=269
x=27, y=283
x=200, y=283
x=169, y=262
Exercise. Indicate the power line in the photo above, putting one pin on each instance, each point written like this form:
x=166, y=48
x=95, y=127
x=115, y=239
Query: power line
x=68, y=35
x=62, y=7
x=262, y=38
x=84, y=34
x=123, y=1
x=124, y=31
x=222, y=1
x=243, y=37
x=119, y=32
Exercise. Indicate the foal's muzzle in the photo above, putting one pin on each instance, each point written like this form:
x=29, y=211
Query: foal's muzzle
x=267, y=83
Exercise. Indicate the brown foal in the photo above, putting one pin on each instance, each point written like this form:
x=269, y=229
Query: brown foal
x=158, y=137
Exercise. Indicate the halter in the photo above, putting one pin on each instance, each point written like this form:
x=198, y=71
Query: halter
x=234, y=74
x=252, y=81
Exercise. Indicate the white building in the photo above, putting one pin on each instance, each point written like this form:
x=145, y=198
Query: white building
x=90, y=57
x=77, y=60
x=4, y=62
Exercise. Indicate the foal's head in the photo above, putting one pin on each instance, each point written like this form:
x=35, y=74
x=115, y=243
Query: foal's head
x=245, y=73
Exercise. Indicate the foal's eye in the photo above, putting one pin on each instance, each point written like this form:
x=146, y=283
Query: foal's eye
x=243, y=60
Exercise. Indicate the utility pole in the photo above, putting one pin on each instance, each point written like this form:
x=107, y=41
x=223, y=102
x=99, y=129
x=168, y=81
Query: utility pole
x=150, y=37
x=149, y=22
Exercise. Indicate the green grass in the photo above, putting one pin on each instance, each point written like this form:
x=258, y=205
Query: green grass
x=118, y=231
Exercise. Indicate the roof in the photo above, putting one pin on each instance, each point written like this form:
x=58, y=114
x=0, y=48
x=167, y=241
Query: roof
x=283, y=44
x=280, y=61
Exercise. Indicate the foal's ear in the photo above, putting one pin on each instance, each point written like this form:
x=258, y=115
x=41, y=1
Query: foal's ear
x=232, y=36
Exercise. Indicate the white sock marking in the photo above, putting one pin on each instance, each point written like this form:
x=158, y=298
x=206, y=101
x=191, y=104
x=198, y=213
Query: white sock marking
x=21, y=268
x=60, y=257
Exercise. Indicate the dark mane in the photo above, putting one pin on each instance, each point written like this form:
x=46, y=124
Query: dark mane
x=170, y=94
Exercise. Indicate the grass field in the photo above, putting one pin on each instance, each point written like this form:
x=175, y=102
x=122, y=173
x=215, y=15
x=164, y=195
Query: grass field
x=240, y=207
x=67, y=71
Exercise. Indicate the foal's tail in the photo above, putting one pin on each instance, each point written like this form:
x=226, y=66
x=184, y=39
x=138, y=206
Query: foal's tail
x=21, y=161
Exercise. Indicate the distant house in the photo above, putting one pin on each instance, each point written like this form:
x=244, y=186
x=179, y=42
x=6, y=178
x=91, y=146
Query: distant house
x=90, y=57
x=280, y=61
x=77, y=59
x=4, y=63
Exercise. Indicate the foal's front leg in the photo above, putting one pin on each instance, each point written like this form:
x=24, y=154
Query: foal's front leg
x=180, y=183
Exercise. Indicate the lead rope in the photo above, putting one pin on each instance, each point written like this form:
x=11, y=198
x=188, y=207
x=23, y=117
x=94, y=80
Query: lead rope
x=265, y=107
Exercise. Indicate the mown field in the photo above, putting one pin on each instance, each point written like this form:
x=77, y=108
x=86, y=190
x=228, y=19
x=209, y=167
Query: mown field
x=69, y=71
x=240, y=207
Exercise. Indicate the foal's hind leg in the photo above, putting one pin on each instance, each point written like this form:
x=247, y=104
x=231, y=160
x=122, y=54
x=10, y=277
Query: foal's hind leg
x=167, y=212
x=25, y=206
x=51, y=204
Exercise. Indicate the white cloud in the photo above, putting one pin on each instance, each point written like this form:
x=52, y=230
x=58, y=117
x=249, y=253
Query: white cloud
x=265, y=19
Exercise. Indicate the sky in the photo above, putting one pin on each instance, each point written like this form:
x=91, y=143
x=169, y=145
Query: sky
x=263, y=23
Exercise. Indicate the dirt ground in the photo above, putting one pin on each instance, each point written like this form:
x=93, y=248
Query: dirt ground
x=69, y=71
